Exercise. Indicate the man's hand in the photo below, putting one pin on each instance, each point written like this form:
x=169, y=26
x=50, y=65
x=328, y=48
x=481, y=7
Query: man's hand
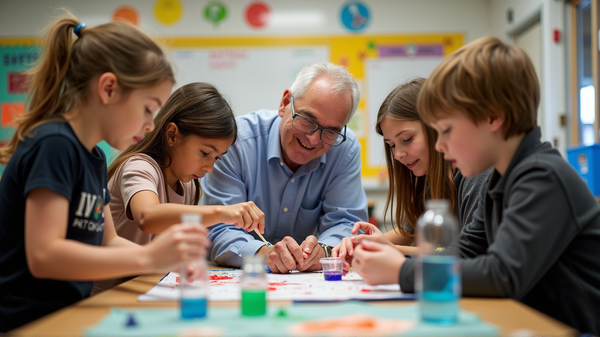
x=312, y=253
x=284, y=256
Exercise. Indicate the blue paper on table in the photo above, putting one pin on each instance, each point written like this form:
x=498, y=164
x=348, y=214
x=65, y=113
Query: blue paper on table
x=161, y=322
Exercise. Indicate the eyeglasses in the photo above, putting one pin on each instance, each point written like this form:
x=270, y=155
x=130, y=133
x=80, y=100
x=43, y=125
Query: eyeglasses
x=306, y=125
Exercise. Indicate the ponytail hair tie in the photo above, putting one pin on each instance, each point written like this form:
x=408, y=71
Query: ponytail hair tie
x=78, y=28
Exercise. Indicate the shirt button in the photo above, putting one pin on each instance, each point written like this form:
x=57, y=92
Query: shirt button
x=240, y=255
x=281, y=163
x=285, y=209
x=293, y=180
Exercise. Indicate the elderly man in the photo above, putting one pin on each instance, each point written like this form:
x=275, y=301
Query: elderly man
x=301, y=166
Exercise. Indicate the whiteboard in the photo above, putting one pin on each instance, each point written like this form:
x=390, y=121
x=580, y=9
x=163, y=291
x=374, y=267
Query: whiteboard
x=382, y=76
x=249, y=78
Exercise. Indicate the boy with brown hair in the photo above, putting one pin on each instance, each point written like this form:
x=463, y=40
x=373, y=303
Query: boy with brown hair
x=535, y=236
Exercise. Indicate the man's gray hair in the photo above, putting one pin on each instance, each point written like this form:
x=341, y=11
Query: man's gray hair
x=340, y=78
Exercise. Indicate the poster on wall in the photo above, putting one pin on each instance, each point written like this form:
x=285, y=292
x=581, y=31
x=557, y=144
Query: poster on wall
x=168, y=12
x=257, y=15
x=355, y=16
x=15, y=59
x=215, y=12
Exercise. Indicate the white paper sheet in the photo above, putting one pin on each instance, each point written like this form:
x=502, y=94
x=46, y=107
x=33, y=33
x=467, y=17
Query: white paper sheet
x=295, y=286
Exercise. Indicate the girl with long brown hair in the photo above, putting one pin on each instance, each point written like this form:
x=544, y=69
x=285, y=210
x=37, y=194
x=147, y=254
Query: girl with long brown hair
x=57, y=233
x=416, y=172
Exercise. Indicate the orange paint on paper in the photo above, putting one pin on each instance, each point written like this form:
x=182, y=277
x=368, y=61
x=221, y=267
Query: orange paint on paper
x=352, y=325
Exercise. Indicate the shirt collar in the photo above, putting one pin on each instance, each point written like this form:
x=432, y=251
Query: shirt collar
x=531, y=141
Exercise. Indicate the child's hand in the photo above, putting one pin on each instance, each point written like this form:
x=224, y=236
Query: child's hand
x=245, y=215
x=378, y=263
x=178, y=244
x=346, y=248
x=372, y=233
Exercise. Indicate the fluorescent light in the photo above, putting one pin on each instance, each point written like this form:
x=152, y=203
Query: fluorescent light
x=296, y=19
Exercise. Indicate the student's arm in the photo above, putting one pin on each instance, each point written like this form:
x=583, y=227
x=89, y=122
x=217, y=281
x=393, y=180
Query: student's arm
x=51, y=255
x=537, y=226
x=407, y=250
x=154, y=217
x=396, y=238
x=110, y=237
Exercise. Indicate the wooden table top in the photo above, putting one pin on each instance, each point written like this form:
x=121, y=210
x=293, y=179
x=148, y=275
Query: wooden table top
x=508, y=314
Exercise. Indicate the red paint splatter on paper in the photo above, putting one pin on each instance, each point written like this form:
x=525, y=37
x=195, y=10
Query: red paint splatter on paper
x=272, y=288
x=365, y=290
x=282, y=283
x=220, y=277
x=177, y=280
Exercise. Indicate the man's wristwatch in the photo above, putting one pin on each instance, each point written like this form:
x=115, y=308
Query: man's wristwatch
x=326, y=248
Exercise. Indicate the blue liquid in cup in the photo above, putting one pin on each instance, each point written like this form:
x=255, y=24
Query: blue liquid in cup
x=332, y=275
x=193, y=308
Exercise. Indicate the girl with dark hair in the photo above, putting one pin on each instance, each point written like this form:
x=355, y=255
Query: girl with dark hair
x=156, y=180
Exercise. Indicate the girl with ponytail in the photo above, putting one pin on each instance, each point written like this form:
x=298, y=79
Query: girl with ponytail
x=57, y=234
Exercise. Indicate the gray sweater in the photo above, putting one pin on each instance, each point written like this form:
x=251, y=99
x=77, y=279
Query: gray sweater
x=535, y=237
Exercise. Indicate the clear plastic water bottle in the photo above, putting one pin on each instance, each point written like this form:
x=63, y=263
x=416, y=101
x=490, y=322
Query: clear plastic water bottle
x=254, y=286
x=193, y=281
x=437, y=273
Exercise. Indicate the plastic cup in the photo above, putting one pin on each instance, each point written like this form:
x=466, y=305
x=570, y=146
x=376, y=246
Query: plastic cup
x=332, y=268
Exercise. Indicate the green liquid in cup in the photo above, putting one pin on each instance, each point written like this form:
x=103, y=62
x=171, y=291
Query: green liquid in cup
x=254, y=302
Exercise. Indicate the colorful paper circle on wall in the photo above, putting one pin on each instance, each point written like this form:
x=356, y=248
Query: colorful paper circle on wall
x=355, y=16
x=168, y=12
x=215, y=12
x=257, y=14
x=126, y=14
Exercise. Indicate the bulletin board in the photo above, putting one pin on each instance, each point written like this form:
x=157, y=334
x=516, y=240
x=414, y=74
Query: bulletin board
x=253, y=72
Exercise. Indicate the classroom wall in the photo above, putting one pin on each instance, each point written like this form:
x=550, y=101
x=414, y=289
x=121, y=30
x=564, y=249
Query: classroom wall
x=28, y=17
x=554, y=75
x=473, y=18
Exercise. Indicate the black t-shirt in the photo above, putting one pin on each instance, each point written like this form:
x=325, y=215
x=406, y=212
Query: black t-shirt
x=52, y=158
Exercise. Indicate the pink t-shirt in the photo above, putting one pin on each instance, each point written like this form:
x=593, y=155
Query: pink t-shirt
x=138, y=173
x=141, y=173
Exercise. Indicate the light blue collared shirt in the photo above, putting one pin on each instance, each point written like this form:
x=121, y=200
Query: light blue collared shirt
x=323, y=197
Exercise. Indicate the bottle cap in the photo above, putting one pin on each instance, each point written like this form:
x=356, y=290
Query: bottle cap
x=190, y=218
x=437, y=204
